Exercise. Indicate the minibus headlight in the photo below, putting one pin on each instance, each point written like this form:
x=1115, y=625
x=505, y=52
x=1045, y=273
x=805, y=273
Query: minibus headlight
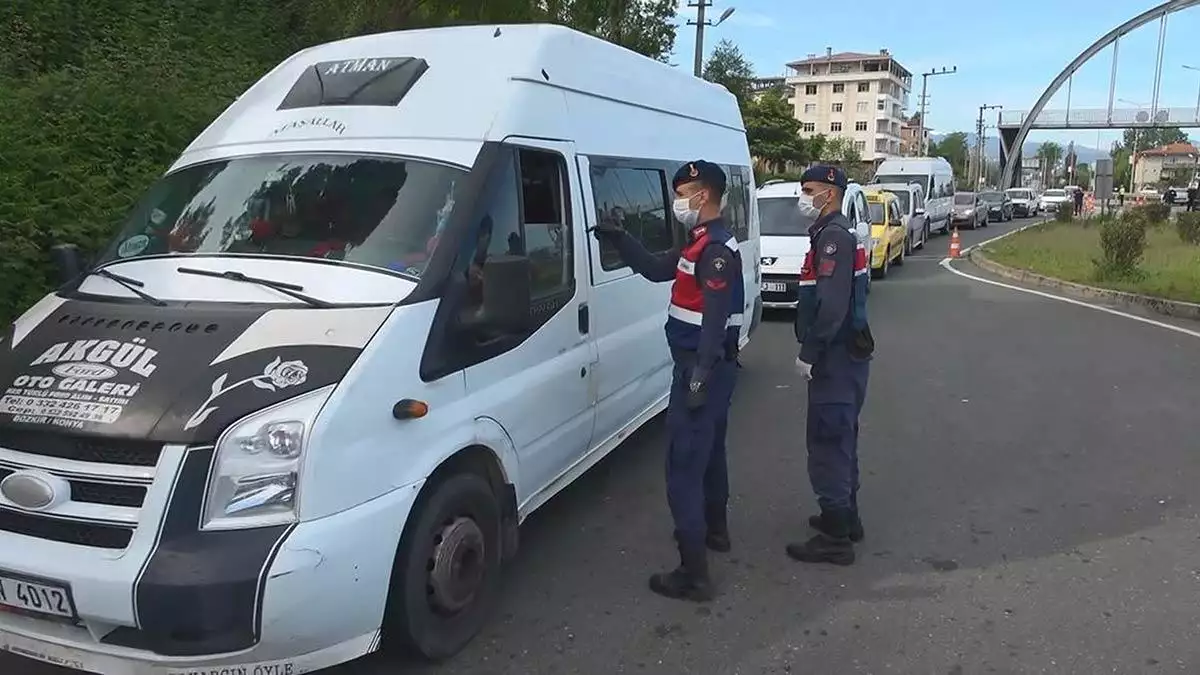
x=255, y=476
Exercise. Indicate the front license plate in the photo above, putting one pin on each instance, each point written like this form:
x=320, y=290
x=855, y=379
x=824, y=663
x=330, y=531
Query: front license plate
x=40, y=597
x=771, y=287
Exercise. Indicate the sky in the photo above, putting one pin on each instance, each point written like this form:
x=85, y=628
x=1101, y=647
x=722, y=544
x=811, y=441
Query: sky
x=1004, y=57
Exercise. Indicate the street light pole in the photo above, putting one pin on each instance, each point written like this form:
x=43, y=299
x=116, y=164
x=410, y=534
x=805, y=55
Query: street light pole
x=698, y=64
x=923, y=143
x=700, y=23
x=979, y=151
x=1133, y=151
x=1197, y=94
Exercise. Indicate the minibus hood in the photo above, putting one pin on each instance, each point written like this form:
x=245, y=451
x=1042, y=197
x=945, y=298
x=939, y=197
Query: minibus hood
x=175, y=374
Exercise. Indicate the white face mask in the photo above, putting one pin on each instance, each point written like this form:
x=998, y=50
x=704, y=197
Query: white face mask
x=807, y=207
x=684, y=212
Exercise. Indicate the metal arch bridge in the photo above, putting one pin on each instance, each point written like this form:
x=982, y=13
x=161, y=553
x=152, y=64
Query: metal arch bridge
x=1101, y=118
x=1016, y=124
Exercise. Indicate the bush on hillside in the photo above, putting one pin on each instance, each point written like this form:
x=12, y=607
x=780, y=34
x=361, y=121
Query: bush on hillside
x=1152, y=214
x=1066, y=211
x=1122, y=244
x=91, y=119
x=1187, y=224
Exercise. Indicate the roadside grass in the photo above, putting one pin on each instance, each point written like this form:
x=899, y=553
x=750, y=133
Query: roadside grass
x=1170, y=269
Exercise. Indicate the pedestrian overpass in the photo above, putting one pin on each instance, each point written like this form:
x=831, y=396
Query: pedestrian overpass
x=1015, y=125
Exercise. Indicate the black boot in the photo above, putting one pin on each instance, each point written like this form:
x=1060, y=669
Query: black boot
x=856, y=527
x=832, y=543
x=718, y=529
x=689, y=581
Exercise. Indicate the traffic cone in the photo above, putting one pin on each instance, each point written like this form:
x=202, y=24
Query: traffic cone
x=955, y=244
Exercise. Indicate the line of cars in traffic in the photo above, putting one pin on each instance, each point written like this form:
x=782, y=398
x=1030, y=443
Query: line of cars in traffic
x=978, y=209
x=895, y=214
x=908, y=200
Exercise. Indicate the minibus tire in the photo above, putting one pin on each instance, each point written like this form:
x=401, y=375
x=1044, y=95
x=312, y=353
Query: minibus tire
x=434, y=622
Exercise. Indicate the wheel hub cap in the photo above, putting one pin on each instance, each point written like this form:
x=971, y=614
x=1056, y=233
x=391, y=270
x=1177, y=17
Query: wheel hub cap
x=457, y=565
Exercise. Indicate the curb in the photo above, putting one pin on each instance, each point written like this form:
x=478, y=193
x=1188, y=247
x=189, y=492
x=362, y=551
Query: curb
x=1176, y=308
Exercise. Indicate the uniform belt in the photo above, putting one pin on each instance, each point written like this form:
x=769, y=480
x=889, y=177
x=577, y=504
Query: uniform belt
x=688, y=357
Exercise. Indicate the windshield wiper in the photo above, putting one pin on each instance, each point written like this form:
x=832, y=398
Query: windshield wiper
x=281, y=286
x=128, y=283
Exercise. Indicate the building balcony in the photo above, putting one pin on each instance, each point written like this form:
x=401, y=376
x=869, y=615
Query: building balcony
x=888, y=147
x=856, y=76
x=892, y=131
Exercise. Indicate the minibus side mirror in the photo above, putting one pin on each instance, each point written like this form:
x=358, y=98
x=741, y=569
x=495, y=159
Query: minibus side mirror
x=68, y=261
x=508, y=293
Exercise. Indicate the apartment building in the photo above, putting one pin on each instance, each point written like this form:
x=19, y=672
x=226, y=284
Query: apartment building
x=860, y=96
x=1175, y=165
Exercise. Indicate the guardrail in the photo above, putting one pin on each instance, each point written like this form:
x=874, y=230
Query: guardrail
x=1099, y=117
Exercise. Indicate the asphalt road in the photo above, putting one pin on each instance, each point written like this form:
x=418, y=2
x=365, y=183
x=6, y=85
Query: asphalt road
x=1029, y=495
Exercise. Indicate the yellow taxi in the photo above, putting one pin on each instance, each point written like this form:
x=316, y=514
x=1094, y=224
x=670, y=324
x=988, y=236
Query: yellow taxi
x=887, y=232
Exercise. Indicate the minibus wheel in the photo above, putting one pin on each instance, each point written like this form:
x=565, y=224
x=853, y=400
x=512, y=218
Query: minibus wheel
x=447, y=572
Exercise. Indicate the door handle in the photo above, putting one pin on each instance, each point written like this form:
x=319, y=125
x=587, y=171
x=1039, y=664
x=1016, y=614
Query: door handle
x=584, y=319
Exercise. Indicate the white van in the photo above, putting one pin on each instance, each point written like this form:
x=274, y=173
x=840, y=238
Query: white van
x=936, y=178
x=356, y=334
x=785, y=237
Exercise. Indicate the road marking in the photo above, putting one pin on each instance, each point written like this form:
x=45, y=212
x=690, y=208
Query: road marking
x=1006, y=234
x=946, y=263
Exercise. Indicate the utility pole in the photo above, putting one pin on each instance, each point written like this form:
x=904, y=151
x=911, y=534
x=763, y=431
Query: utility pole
x=700, y=23
x=922, y=143
x=979, y=148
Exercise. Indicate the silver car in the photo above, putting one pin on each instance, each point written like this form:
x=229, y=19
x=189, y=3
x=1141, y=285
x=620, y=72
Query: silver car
x=1051, y=198
x=1024, y=204
x=969, y=211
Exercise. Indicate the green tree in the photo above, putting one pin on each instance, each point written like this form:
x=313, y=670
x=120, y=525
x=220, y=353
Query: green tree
x=1083, y=175
x=644, y=26
x=1122, y=170
x=953, y=147
x=99, y=96
x=1049, y=153
x=1153, y=137
x=728, y=67
x=773, y=132
x=840, y=150
x=991, y=172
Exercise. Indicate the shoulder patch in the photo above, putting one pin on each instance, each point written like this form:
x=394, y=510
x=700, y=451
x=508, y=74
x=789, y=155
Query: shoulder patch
x=826, y=268
x=718, y=263
x=830, y=248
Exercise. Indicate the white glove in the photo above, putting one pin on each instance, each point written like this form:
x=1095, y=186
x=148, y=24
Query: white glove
x=804, y=369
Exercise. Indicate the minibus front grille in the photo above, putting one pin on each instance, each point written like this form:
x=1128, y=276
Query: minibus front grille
x=82, y=448
x=108, y=480
x=96, y=535
x=112, y=494
x=96, y=492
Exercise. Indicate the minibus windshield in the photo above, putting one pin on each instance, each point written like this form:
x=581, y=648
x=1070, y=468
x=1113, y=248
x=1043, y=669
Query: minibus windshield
x=382, y=212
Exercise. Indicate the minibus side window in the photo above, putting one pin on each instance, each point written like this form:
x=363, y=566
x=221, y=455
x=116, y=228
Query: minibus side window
x=735, y=208
x=524, y=213
x=636, y=199
x=546, y=237
x=746, y=196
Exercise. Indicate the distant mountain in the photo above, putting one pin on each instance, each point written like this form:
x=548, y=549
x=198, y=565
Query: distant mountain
x=992, y=148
